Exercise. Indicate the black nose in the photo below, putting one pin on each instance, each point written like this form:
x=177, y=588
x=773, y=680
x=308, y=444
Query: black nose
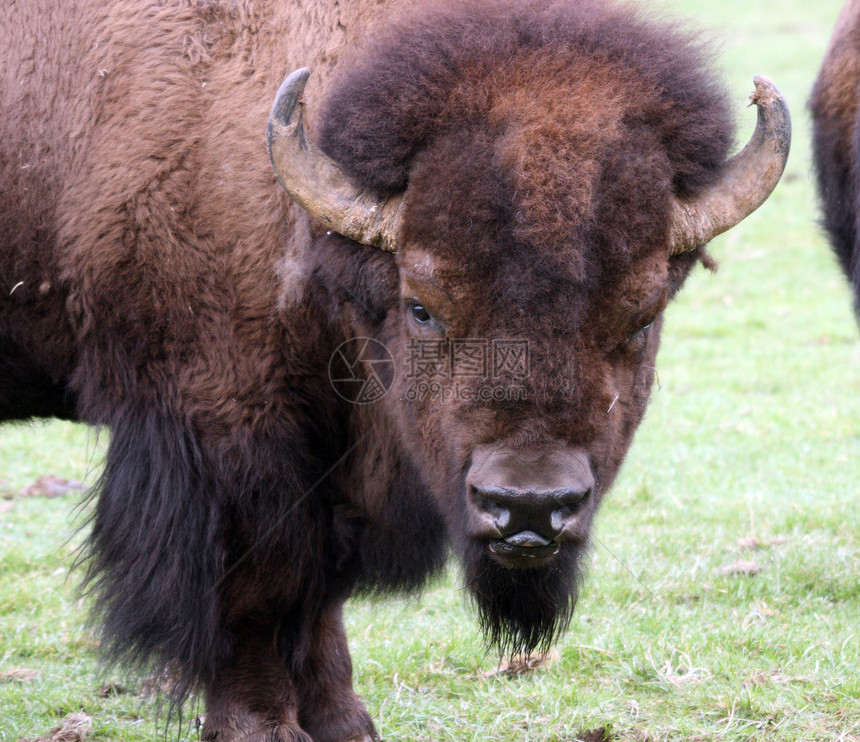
x=530, y=518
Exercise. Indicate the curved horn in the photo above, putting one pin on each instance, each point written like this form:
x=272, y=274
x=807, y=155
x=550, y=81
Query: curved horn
x=748, y=179
x=316, y=183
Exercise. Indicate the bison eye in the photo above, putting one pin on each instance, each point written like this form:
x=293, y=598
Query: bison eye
x=426, y=322
x=420, y=314
x=638, y=338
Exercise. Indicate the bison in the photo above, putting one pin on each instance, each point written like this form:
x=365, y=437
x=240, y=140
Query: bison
x=835, y=144
x=440, y=334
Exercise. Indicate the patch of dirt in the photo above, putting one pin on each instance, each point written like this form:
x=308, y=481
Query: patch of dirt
x=751, y=543
x=19, y=675
x=593, y=735
x=741, y=567
x=112, y=689
x=523, y=664
x=74, y=728
x=51, y=486
x=754, y=543
x=775, y=677
x=162, y=681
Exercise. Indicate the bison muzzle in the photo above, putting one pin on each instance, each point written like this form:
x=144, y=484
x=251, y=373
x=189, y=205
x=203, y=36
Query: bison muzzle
x=526, y=503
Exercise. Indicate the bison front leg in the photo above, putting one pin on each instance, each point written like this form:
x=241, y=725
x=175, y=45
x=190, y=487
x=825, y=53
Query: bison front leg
x=253, y=697
x=330, y=710
x=262, y=696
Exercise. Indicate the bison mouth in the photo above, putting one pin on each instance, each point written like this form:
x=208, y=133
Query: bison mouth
x=525, y=550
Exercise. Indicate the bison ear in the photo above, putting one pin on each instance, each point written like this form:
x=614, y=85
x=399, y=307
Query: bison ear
x=355, y=274
x=747, y=181
x=317, y=184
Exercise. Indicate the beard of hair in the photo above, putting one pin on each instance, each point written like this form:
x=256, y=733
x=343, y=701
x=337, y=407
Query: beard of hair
x=522, y=610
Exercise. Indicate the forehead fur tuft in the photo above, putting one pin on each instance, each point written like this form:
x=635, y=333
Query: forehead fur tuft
x=542, y=78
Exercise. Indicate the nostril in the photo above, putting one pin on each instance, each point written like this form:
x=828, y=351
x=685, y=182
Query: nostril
x=569, y=504
x=498, y=512
x=571, y=501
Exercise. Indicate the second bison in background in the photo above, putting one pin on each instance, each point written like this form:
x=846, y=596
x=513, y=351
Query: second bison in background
x=836, y=142
x=540, y=177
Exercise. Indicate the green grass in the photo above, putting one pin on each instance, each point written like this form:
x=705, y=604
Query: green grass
x=753, y=432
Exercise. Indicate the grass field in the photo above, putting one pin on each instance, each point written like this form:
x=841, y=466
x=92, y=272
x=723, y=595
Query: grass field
x=723, y=599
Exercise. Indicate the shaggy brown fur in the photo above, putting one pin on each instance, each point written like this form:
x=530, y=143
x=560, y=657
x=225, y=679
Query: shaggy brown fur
x=155, y=280
x=836, y=142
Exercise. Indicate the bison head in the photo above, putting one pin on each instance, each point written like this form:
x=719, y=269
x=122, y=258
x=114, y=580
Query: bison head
x=541, y=188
